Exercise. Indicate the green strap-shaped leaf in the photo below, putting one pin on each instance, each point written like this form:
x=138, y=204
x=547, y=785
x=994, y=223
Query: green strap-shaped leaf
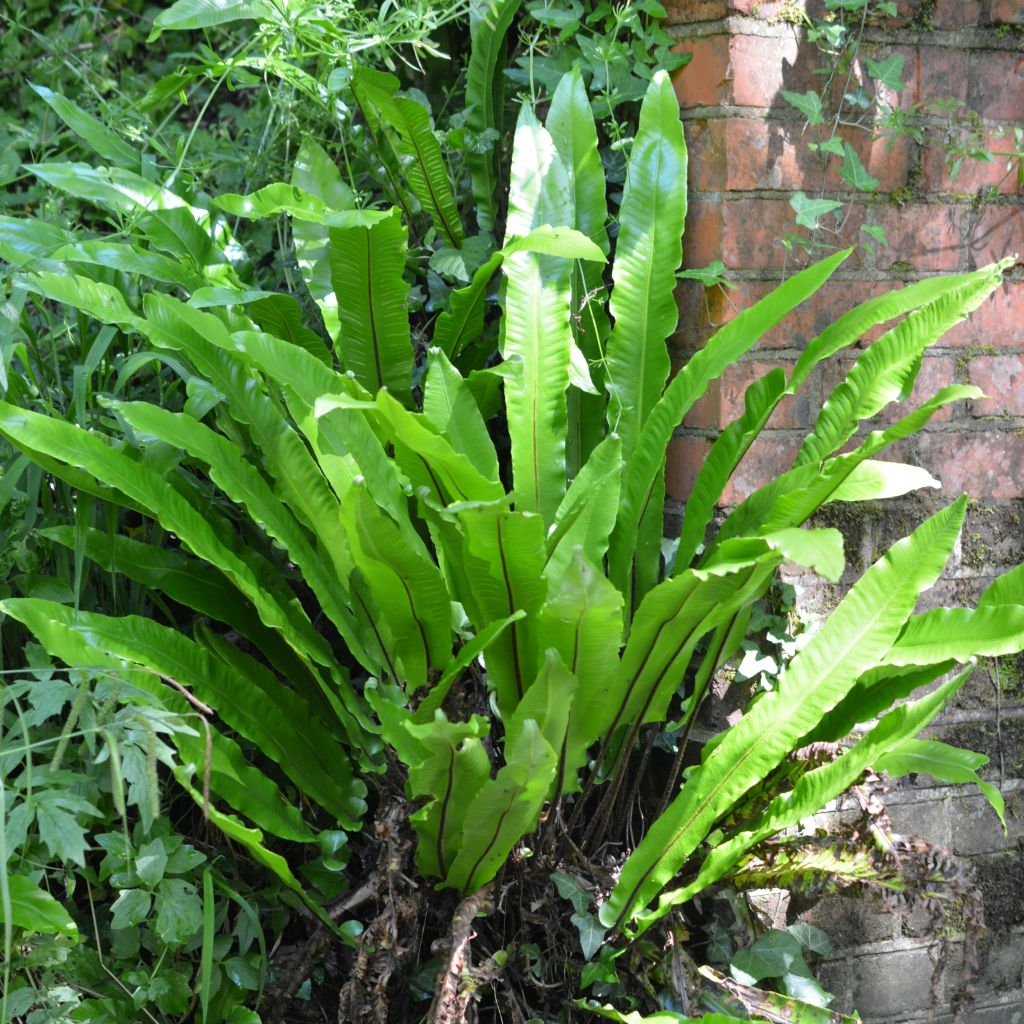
x=570, y=122
x=941, y=761
x=95, y=133
x=730, y=446
x=535, y=327
x=489, y=22
x=505, y=809
x=504, y=554
x=647, y=254
x=407, y=587
x=463, y=322
x=1005, y=589
x=281, y=315
x=102, y=302
x=792, y=497
x=875, y=481
x=453, y=771
x=887, y=369
x=583, y=622
x=132, y=260
x=367, y=274
x=243, y=483
x=587, y=513
x=29, y=243
x=811, y=792
x=959, y=634
x=34, y=910
x=419, y=149
x=645, y=470
x=88, y=451
x=856, y=635
x=467, y=654
x=450, y=406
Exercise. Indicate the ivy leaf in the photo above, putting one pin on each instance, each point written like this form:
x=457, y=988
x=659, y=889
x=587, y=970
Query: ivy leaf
x=151, y=862
x=854, y=172
x=809, y=210
x=131, y=908
x=714, y=273
x=570, y=889
x=875, y=231
x=179, y=911
x=591, y=931
x=888, y=72
x=832, y=145
x=808, y=103
x=811, y=938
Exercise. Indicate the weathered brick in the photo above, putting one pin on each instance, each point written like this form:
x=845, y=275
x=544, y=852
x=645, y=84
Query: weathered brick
x=893, y=983
x=747, y=71
x=972, y=174
x=1002, y=379
x=998, y=88
x=768, y=457
x=685, y=12
x=686, y=454
x=932, y=73
x=952, y=14
x=975, y=826
x=1008, y=12
x=986, y=464
x=998, y=232
x=926, y=237
x=793, y=411
x=997, y=321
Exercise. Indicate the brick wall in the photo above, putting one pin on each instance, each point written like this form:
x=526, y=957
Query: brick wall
x=748, y=155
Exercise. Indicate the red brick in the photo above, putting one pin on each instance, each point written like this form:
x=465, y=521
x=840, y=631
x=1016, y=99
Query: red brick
x=998, y=232
x=950, y=14
x=926, y=237
x=998, y=321
x=987, y=464
x=684, y=12
x=794, y=411
x=1008, y=12
x=741, y=154
x=1002, y=379
x=686, y=454
x=741, y=70
x=930, y=73
x=999, y=86
x=769, y=456
x=973, y=174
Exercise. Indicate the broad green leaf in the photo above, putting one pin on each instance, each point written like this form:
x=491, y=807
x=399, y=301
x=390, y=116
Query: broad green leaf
x=663, y=1017
x=281, y=315
x=730, y=446
x=959, y=634
x=874, y=481
x=808, y=103
x=582, y=620
x=645, y=470
x=489, y=22
x=103, y=302
x=821, y=550
x=191, y=14
x=889, y=72
x=454, y=769
x=273, y=200
x=859, y=632
x=853, y=171
x=940, y=760
x=26, y=242
x=34, y=910
x=367, y=265
x=587, y=513
x=131, y=259
x=131, y=908
x=808, y=210
x=467, y=654
x=535, y=328
x=504, y=809
x=406, y=586
x=887, y=369
x=450, y=406
x=647, y=254
x=463, y=323
x=419, y=148
x=546, y=240
x=95, y=133
x=570, y=122
x=504, y=556
x=1005, y=589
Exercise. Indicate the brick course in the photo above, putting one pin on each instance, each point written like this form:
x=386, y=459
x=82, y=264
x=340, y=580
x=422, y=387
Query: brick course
x=748, y=155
